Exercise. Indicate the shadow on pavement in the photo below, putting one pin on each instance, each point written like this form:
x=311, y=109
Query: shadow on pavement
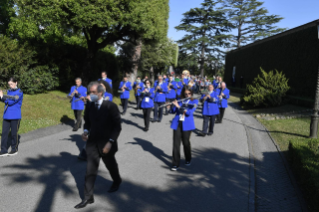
x=149, y=147
x=67, y=120
x=216, y=181
x=129, y=122
x=138, y=115
x=77, y=139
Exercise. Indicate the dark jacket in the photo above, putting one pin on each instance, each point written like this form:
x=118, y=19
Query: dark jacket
x=103, y=124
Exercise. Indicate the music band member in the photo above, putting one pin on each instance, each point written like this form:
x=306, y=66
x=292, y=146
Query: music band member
x=104, y=77
x=210, y=110
x=77, y=93
x=179, y=86
x=171, y=93
x=108, y=90
x=160, y=89
x=125, y=87
x=11, y=117
x=147, y=104
x=182, y=125
x=102, y=128
x=138, y=85
x=223, y=95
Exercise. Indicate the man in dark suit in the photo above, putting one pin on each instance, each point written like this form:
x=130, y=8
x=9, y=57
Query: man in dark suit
x=101, y=129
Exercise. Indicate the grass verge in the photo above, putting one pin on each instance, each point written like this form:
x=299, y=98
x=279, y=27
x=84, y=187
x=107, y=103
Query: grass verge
x=49, y=109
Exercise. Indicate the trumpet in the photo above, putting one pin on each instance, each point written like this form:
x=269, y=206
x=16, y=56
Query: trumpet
x=123, y=87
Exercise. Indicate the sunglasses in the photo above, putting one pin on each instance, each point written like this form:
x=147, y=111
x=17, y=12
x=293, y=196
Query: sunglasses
x=187, y=93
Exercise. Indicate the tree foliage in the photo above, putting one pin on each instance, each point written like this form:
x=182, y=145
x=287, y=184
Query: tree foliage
x=251, y=20
x=20, y=61
x=102, y=22
x=206, y=29
x=6, y=12
x=267, y=89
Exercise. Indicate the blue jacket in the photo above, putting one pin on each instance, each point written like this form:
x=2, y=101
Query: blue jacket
x=179, y=90
x=141, y=84
x=147, y=99
x=171, y=94
x=109, y=95
x=12, y=108
x=126, y=93
x=210, y=106
x=223, y=102
x=160, y=97
x=188, y=123
x=108, y=80
x=186, y=81
x=78, y=105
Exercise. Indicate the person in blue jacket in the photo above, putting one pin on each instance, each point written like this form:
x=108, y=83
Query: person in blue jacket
x=147, y=103
x=210, y=110
x=171, y=93
x=160, y=98
x=138, y=85
x=11, y=117
x=124, y=89
x=182, y=125
x=223, y=95
x=108, y=90
x=104, y=77
x=77, y=93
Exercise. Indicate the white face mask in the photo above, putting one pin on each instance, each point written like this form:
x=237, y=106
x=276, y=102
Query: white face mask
x=94, y=97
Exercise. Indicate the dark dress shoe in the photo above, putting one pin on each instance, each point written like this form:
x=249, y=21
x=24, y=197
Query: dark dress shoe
x=210, y=133
x=75, y=129
x=145, y=129
x=153, y=120
x=114, y=187
x=202, y=134
x=84, y=203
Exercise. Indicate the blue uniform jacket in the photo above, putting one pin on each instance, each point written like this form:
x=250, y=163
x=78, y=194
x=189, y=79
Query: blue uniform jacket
x=12, y=108
x=210, y=106
x=108, y=80
x=188, y=123
x=179, y=86
x=223, y=103
x=147, y=99
x=126, y=93
x=78, y=105
x=171, y=94
x=141, y=84
x=109, y=95
x=186, y=81
x=160, y=97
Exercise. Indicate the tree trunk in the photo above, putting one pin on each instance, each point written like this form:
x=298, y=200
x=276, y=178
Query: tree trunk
x=135, y=61
x=152, y=74
x=202, y=60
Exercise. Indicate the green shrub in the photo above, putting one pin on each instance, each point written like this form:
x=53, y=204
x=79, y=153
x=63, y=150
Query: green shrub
x=304, y=157
x=20, y=61
x=267, y=89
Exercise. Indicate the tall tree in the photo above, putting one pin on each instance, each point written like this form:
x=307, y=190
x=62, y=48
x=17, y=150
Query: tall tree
x=206, y=27
x=251, y=21
x=6, y=12
x=158, y=54
x=103, y=22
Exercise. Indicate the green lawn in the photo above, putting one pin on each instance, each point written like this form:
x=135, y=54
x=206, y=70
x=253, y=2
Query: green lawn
x=49, y=109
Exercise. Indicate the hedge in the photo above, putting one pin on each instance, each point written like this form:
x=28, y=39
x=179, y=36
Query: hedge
x=295, y=54
x=304, y=158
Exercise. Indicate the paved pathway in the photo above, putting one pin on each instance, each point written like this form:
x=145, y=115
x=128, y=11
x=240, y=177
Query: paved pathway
x=46, y=175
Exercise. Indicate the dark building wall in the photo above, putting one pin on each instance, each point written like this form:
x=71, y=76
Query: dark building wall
x=296, y=54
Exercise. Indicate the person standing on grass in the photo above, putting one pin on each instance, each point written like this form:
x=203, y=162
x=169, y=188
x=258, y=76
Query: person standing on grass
x=11, y=117
x=223, y=95
x=77, y=93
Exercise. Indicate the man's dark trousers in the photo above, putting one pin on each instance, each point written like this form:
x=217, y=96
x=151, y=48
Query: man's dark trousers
x=78, y=118
x=6, y=125
x=93, y=161
x=211, y=120
x=221, y=114
x=158, y=112
x=124, y=104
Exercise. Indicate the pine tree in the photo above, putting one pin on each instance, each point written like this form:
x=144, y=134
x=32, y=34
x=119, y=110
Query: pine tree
x=206, y=27
x=251, y=20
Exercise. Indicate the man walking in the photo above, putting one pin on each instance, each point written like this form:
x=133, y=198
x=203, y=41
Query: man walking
x=101, y=130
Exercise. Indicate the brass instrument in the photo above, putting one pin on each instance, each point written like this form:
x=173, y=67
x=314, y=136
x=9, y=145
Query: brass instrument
x=121, y=90
x=170, y=103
